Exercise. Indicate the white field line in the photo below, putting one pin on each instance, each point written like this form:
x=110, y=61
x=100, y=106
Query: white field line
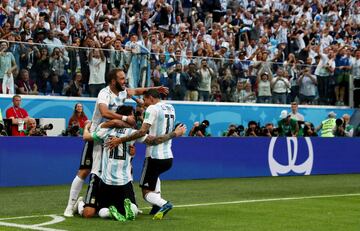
x=268, y=200
x=37, y=227
x=56, y=219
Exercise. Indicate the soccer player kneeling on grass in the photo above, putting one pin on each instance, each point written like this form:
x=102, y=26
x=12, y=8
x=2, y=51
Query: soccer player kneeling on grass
x=116, y=194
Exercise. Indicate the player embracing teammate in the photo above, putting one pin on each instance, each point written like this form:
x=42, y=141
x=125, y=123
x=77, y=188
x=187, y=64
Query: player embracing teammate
x=101, y=194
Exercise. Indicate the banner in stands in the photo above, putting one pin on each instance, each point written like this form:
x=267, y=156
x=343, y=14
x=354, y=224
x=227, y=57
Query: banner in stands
x=219, y=115
x=28, y=161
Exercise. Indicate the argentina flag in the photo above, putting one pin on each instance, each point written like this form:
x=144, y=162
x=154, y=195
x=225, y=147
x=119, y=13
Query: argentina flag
x=139, y=69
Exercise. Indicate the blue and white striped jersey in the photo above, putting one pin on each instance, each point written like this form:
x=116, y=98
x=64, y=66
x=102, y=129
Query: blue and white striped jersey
x=116, y=164
x=161, y=117
x=112, y=101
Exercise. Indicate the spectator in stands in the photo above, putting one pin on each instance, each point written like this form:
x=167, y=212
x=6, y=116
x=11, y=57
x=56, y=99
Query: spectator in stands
x=52, y=42
x=264, y=88
x=249, y=95
x=41, y=67
x=117, y=56
x=206, y=74
x=178, y=80
x=14, y=48
x=192, y=83
x=324, y=72
x=280, y=86
x=239, y=93
x=19, y=117
x=215, y=94
x=75, y=88
x=291, y=71
x=55, y=86
x=273, y=32
x=78, y=60
x=7, y=68
x=308, y=86
x=97, y=64
x=77, y=120
x=25, y=85
x=58, y=61
x=342, y=75
x=287, y=126
x=355, y=72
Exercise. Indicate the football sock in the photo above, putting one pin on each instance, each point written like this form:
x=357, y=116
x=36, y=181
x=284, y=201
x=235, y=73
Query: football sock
x=135, y=209
x=104, y=213
x=155, y=199
x=75, y=189
x=81, y=207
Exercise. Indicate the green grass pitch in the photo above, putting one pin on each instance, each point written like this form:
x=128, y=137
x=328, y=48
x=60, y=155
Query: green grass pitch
x=301, y=203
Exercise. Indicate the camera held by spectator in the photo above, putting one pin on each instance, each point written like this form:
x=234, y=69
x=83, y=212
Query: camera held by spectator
x=73, y=130
x=253, y=129
x=339, y=129
x=200, y=129
x=2, y=130
x=309, y=130
x=35, y=130
x=231, y=131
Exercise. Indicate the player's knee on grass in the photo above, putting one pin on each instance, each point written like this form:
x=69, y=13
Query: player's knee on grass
x=89, y=212
x=104, y=213
x=83, y=173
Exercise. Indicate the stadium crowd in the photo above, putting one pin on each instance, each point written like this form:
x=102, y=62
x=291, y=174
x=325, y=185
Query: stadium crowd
x=204, y=50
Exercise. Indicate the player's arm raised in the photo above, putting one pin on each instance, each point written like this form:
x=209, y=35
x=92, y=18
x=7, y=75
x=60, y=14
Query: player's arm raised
x=140, y=91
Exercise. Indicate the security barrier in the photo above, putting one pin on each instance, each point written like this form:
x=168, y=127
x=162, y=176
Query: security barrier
x=28, y=161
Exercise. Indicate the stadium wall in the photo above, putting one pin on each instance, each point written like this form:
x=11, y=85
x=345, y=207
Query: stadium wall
x=219, y=115
x=26, y=161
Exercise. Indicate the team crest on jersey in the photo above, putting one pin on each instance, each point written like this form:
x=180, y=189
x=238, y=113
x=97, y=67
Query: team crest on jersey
x=146, y=116
x=87, y=162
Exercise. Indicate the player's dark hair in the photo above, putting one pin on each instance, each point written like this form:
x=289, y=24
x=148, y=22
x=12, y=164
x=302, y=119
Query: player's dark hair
x=152, y=92
x=124, y=110
x=112, y=75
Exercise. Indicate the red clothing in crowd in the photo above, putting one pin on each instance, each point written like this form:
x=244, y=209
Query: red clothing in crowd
x=17, y=113
x=78, y=120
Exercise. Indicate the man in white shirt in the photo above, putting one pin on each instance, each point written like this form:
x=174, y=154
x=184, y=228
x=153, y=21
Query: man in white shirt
x=294, y=114
x=279, y=85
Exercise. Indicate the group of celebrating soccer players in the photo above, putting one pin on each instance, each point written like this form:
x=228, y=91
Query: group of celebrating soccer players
x=109, y=149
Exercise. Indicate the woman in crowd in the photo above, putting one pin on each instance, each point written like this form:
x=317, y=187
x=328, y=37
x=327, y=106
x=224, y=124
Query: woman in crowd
x=78, y=119
x=75, y=87
x=264, y=88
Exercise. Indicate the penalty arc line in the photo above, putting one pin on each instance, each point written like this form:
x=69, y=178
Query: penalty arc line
x=56, y=219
